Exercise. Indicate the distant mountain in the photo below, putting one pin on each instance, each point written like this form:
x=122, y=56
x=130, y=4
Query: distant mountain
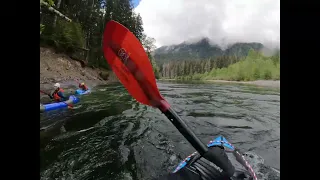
x=201, y=50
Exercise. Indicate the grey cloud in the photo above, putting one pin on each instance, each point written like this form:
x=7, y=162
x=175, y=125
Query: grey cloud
x=195, y=19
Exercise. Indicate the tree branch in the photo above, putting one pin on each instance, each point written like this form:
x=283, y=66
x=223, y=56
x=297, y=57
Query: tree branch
x=54, y=10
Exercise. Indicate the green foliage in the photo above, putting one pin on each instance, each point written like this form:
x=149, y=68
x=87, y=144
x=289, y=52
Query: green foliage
x=41, y=28
x=50, y=2
x=255, y=66
x=138, y=31
x=68, y=36
x=155, y=70
x=252, y=67
x=89, y=18
x=154, y=65
x=201, y=50
x=183, y=68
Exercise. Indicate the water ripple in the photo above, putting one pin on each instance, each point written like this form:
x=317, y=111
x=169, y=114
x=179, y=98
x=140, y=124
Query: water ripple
x=111, y=136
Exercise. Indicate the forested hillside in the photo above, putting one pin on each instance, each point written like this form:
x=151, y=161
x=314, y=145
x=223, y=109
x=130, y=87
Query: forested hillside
x=190, y=60
x=76, y=27
x=201, y=50
x=254, y=66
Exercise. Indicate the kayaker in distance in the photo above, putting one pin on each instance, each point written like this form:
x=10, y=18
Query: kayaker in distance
x=83, y=86
x=58, y=93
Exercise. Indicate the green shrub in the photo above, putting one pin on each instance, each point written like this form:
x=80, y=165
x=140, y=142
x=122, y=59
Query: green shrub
x=253, y=67
x=41, y=28
x=68, y=36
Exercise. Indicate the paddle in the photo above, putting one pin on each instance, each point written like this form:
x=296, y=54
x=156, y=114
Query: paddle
x=46, y=93
x=130, y=63
x=43, y=92
x=77, y=81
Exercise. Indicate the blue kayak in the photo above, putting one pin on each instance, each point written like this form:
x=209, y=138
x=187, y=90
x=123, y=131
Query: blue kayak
x=59, y=105
x=229, y=149
x=82, y=92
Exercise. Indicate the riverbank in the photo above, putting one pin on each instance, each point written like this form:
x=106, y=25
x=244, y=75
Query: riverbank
x=265, y=83
x=55, y=67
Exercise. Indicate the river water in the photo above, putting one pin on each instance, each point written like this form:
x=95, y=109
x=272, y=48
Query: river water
x=111, y=136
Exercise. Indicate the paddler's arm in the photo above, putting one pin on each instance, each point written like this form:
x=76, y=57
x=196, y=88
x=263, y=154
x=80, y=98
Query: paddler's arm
x=62, y=95
x=51, y=94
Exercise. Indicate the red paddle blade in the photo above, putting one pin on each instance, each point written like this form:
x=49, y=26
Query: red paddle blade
x=129, y=61
x=43, y=92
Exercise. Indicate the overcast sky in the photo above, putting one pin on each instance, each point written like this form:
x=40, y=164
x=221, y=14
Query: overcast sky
x=222, y=21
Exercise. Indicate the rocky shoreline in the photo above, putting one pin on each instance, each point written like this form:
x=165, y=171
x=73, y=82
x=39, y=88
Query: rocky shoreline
x=55, y=67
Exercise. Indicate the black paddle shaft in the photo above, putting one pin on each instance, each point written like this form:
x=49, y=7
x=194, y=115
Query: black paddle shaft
x=145, y=86
x=185, y=130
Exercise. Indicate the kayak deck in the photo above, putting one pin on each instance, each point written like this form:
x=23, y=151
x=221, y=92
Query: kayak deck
x=221, y=141
x=59, y=105
x=82, y=92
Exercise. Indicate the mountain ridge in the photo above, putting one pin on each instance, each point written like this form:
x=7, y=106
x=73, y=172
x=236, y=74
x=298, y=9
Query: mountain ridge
x=203, y=49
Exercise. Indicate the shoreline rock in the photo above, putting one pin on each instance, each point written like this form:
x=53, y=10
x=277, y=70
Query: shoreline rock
x=57, y=67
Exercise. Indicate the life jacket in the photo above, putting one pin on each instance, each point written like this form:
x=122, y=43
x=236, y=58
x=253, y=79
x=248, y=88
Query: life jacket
x=56, y=97
x=83, y=87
